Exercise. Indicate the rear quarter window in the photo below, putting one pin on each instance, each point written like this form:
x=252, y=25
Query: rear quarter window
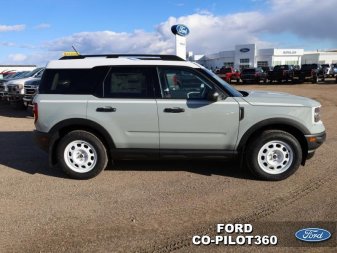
x=72, y=81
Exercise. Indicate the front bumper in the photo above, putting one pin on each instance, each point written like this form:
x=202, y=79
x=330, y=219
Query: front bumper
x=315, y=140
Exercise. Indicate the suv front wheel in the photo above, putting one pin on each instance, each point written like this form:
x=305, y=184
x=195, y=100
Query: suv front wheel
x=274, y=155
x=81, y=155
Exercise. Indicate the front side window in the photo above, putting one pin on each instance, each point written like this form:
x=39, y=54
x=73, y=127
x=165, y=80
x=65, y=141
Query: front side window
x=183, y=84
x=129, y=82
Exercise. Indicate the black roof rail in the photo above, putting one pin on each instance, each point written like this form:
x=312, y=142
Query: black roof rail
x=137, y=56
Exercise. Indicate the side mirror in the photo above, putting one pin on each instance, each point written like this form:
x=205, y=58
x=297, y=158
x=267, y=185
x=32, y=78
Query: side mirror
x=213, y=96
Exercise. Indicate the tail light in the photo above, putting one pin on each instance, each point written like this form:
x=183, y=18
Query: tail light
x=36, y=112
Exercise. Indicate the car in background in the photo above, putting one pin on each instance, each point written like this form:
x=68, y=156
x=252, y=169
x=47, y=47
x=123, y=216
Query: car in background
x=333, y=71
x=326, y=68
x=229, y=74
x=4, y=83
x=15, y=87
x=281, y=73
x=309, y=72
x=253, y=75
x=31, y=88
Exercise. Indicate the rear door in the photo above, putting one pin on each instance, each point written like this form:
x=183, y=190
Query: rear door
x=187, y=119
x=127, y=107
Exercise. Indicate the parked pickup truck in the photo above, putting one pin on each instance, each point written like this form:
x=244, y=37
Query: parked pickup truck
x=309, y=72
x=332, y=71
x=30, y=90
x=4, y=83
x=281, y=73
x=253, y=75
x=16, y=87
x=229, y=74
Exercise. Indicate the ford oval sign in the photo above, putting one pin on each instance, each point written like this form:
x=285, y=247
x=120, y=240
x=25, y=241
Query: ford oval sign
x=181, y=30
x=244, y=50
x=312, y=234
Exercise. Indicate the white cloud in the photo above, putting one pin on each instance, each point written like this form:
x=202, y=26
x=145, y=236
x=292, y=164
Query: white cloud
x=17, y=58
x=112, y=42
x=11, y=28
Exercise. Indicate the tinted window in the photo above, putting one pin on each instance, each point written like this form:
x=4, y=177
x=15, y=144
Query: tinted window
x=248, y=71
x=72, y=81
x=129, y=82
x=183, y=84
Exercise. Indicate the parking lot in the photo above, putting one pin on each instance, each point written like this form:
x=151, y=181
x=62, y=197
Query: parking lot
x=147, y=206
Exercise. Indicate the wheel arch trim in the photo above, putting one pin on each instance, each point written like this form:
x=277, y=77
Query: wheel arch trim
x=276, y=123
x=65, y=126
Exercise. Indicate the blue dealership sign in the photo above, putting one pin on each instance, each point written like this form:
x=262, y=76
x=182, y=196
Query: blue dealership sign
x=244, y=50
x=312, y=234
x=181, y=30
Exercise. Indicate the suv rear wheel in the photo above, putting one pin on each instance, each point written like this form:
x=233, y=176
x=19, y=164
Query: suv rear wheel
x=274, y=155
x=81, y=154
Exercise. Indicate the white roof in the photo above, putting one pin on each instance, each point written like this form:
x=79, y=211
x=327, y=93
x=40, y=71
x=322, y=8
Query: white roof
x=91, y=62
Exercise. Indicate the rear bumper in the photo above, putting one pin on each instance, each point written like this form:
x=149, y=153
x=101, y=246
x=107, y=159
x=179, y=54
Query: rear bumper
x=42, y=140
x=315, y=140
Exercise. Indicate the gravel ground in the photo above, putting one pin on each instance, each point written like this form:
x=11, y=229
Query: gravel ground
x=157, y=206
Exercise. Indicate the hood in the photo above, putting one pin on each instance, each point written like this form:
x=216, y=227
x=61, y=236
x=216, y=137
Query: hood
x=19, y=81
x=270, y=98
x=33, y=81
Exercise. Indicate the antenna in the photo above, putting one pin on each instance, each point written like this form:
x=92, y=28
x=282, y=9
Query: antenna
x=75, y=50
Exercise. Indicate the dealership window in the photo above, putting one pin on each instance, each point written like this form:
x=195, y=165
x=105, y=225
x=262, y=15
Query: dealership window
x=244, y=60
x=277, y=63
x=243, y=66
x=262, y=63
x=291, y=62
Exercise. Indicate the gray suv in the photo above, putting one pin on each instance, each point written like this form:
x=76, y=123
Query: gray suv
x=92, y=109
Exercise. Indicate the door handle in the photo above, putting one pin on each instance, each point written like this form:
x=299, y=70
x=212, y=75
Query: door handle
x=105, y=109
x=174, y=110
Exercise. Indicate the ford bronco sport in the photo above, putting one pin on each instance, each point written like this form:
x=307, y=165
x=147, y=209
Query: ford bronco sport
x=92, y=109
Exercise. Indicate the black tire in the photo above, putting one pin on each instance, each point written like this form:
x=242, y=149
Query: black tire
x=288, y=153
x=87, y=155
x=315, y=79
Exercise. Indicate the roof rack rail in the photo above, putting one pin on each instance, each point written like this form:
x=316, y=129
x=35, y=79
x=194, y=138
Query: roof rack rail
x=137, y=56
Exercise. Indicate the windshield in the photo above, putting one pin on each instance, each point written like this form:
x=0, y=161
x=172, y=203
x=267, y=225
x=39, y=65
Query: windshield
x=309, y=66
x=248, y=71
x=33, y=72
x=225, y=85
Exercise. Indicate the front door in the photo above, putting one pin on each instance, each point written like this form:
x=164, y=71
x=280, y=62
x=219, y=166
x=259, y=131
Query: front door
x=187, y=119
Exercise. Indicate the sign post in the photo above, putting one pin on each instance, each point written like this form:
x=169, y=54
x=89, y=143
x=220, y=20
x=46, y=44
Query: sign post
x=180, y=32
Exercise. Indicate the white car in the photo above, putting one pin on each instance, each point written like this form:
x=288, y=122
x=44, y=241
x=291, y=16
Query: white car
x=15, y=88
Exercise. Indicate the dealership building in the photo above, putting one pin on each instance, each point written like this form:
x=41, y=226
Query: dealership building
x=249, y=55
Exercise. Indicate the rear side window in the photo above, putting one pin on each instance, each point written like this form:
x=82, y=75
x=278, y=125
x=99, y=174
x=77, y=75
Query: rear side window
x=72, y=81
x=129, y=82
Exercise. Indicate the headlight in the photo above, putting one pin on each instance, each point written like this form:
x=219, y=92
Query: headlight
x=317, y=114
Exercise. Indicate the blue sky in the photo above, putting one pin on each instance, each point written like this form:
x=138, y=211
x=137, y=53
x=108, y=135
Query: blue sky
x=36, y=31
